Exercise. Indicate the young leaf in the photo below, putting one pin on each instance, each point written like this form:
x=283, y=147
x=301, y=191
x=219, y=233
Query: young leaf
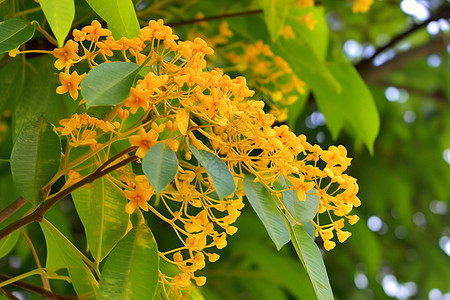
x=119, y=15
x=13, y=33
x=8, y=243
x=267, y=210
x=160, y=165
x=108, y=83
x=59, y=14
x=131, y=270
x=101, y=208
x=217, y=170
x=275, y=12
x=61, y=255
x=35, y=158
x=311, y=258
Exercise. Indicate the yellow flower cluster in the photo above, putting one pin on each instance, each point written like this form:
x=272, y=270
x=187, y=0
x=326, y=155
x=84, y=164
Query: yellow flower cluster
x=178, y=102
x=270, y=74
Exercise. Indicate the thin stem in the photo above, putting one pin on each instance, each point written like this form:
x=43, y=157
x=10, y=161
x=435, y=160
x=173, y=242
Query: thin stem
x=212, y=18
x=36, y=289
x=45, y=33
x=27, y=11
x=39, y=213
x=44, y=279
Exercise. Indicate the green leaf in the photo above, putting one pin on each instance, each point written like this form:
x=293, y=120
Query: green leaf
x=303, y=211
x=35, y=158
x=119, y=15
x=8, y=243
x=310, y=68
x=160, y=165
x=267, y=210
x=318, y=38
x=356, y=102
x=12, y=77
x=108, y=83
x=131, y=270
x=311, y=258
x=38, y=93
x=61, y=255
x=217, y=170
x=13, y=33
x=275, y=12
x=59, y=14
x=101, y=208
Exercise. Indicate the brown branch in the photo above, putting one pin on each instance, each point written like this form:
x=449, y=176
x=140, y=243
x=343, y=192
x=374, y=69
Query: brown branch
x=36, y=289
x=443, y=12
x=39, y=213
x=212, y=18
x=12, y=208
x=373, y=74
x=115, y=157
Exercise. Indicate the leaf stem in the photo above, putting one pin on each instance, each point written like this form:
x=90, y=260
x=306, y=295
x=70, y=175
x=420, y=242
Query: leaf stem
x=12, y=208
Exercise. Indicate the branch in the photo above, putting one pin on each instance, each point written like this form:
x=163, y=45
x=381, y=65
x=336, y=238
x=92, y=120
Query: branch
x=12, y=208
x=39, y=213
x=372, y=74
x=36, y=289
x=212, y=18
x=443, y=12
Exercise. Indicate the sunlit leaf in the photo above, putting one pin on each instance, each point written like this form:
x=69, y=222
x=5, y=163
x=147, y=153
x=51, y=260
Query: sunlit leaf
x=8, y=243
x=119, y=15
x=217, y=170
x=13, y=33
x=131, y=270
x=59, y=14
x=61, y=255
x=101, y=208
x=160, y=165
x=267, y=210
x=275, y=12
x=35, y=158
x=311, y=258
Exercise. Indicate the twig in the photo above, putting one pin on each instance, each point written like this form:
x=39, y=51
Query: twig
x=39, y=213
x=12, y=208
x=212, y=18
x=36, y=289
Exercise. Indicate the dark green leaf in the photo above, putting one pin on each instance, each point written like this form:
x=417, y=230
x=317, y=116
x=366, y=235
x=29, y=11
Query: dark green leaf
x=13, y=33
x=61, y=255
x=12, y=77
x=275, y=12
x=59, y=14
x=267, y=210
x=119, y=15
x=101, y=208
x=312, y=261
x=160, y=165
x=217, y=170
x=108, y=83
x=35, y=158
x=131, y=270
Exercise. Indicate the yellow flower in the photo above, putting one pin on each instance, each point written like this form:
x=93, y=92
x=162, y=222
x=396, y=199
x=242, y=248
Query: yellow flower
x=138, y=197
x=70, y=83
x=144, y=140
x=138, y=98
x=65, y=55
